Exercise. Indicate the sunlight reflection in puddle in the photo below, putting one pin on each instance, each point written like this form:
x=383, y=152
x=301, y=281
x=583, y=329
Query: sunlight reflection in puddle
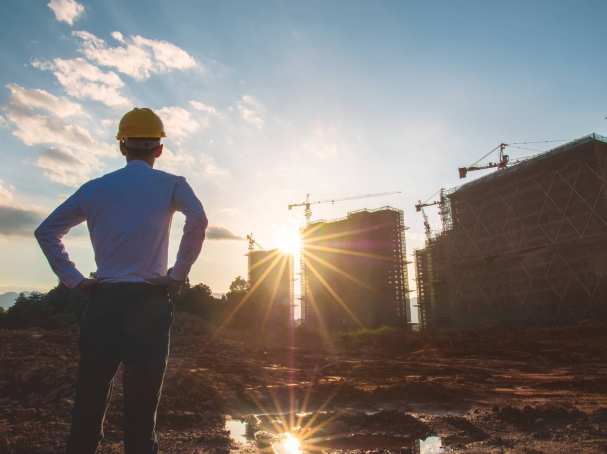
x=431, y=445
x=286, y=443
x=237, y=429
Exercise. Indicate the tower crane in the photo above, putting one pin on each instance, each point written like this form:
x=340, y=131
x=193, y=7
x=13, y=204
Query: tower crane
x=419, y=207
x=443, y=205
x=308, y=203
x=502, y=163
x=252, y=242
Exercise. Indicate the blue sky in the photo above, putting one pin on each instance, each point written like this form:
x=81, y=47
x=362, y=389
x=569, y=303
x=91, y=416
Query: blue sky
x=267, y=101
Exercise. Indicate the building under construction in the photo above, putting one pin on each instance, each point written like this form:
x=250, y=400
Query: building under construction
x=526, y=245
x=354, y=271
x=270, y=299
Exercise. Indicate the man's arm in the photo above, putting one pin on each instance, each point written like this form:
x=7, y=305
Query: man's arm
x=186, y=202
x=50, y=233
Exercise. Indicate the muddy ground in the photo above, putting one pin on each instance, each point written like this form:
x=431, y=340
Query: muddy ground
x=519, y=391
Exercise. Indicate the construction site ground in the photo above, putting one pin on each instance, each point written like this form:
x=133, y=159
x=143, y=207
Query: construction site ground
x=490, y=391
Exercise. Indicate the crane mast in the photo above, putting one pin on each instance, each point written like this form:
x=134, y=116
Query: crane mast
x=443, y=210
x=419, y=207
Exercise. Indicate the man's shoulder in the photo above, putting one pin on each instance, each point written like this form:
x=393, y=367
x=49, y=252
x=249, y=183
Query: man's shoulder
x=124, y=173
x=123, y=177
x=164, y=174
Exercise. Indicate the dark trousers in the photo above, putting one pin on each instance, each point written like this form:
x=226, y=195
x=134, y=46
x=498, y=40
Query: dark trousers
x=125, y=324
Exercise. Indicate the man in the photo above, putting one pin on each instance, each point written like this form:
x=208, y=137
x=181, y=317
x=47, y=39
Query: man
x=128, y=214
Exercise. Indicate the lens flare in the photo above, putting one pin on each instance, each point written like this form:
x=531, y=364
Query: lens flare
x=288, y=240
x=288, y=444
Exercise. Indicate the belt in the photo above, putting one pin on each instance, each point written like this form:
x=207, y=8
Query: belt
x=129, y=285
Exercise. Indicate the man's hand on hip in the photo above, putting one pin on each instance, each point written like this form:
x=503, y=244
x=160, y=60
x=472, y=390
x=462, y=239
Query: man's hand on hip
x=166, y=281
x=87, y=284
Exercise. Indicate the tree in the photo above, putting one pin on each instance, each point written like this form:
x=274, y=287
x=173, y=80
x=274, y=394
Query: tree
x=58, y=308
x=239, y=312
x=239, y=285
x=197, y=300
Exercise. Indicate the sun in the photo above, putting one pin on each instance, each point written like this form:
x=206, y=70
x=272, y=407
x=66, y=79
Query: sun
x=288, y=240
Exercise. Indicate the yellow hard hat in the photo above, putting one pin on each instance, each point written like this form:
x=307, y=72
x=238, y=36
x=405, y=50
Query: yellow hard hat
x=140, y=123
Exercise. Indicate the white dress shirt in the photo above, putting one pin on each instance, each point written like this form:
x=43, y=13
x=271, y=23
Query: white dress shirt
x=128, y=213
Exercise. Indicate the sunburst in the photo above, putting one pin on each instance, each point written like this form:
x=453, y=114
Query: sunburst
x=298, y=433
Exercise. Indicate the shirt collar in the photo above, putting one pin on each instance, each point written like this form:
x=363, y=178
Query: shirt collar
x=138, y=163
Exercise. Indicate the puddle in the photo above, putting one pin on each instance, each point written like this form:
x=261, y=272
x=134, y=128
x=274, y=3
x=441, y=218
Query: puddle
x=237, y=429
x=431, y=445
x=266, y=440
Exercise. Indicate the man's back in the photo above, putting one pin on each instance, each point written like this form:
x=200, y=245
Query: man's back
x=128, y=213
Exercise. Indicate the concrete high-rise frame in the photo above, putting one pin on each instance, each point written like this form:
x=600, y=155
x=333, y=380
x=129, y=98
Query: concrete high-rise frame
x=271, y=287
x=354, y=271
x=527, y=245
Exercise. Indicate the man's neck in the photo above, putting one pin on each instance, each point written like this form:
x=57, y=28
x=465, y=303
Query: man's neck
x=148, y=161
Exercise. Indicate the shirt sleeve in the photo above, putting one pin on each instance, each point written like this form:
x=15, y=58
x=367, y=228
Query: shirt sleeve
x=186, y=202
x=50, y=233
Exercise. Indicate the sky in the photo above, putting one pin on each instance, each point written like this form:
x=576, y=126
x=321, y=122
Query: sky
x=266, y=101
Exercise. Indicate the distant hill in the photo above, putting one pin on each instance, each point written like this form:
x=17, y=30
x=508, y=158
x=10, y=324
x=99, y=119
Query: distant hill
x=7, y=299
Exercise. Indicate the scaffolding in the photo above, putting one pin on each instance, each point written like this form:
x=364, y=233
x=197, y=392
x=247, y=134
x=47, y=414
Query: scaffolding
x=432, y=292
x=526, y=244
x=270, y=279
x=423, y=278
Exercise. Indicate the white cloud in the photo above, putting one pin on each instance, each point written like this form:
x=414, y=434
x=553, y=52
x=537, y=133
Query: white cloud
x=210, y=167
x=38, y=129
x=66, y=10
x=203, y=107
x=41, y=99
x=325, y=142
x=67, y=166
x=229, y=211
x=136, y=56
x=15, y=219
x=6, y=192
x=175, y=162
x=63, y=141
x=81, y=79
x=183, y=162
x=70, y=152
x=178, y=122
x=252, y=111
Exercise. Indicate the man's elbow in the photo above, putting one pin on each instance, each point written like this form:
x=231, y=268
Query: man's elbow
x=44, y=234
x=40, y=233
x=201, y=218
x=196, y=222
